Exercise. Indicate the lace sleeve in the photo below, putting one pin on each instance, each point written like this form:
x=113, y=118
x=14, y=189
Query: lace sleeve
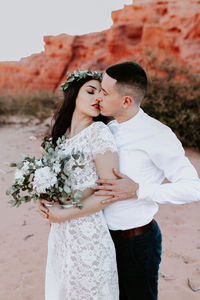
x=101, y=139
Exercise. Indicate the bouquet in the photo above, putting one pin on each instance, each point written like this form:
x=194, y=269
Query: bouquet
x=46, y=177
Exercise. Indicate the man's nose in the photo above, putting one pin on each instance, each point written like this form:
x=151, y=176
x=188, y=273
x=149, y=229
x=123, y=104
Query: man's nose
x=99, y=98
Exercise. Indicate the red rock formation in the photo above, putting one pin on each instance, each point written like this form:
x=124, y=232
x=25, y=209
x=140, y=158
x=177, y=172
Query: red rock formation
x=161, y=27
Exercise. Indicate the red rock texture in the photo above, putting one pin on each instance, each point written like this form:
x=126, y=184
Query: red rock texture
x=144, y=29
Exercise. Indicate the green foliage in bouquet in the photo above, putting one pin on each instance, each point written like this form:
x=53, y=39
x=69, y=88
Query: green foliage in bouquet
x=48, y=177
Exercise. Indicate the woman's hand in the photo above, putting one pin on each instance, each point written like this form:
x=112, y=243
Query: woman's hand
x=43, y=210
x=56, y=214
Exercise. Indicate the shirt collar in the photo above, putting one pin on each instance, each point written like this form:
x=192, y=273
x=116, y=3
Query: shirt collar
x=115, y=126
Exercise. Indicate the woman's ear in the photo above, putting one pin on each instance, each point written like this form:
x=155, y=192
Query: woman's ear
x=127, y=101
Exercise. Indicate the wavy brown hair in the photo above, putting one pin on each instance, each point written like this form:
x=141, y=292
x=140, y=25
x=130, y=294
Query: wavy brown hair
x=63, y=116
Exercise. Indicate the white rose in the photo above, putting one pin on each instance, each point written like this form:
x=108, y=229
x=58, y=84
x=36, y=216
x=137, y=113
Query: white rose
x=44, y=178
x=38, y=163
x=56, y=168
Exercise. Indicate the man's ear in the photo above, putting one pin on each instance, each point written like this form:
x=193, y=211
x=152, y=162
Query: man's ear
x=127, y=101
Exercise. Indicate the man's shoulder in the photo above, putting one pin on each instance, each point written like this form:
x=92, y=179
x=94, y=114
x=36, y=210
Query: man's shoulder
x=160, y=133
x=157, y=126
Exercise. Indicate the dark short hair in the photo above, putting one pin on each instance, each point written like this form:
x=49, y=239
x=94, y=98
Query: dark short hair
x=131, y=78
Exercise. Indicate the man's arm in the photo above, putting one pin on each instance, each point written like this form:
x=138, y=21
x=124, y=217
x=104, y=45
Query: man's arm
x=167, y=154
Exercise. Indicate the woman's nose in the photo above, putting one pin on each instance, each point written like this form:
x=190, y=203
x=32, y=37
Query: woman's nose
x=98, y=98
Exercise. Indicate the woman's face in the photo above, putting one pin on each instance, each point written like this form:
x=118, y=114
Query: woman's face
x=87, y=102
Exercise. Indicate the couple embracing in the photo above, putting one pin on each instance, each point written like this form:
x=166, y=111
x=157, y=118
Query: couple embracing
x=111, y=248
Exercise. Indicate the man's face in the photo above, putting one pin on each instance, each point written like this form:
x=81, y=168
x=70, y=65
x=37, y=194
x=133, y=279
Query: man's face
x=110, y=100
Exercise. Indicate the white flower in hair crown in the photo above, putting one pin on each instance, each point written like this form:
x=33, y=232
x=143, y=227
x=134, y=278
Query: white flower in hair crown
x=78, y=75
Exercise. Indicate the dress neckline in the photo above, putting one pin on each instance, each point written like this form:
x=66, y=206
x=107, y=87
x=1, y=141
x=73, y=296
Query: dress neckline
x=84, y=129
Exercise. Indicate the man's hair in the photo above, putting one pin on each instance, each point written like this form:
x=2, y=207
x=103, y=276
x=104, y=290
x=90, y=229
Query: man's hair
x=131, y=79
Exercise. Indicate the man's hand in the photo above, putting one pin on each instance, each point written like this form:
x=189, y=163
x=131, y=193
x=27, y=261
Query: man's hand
x=122, y=188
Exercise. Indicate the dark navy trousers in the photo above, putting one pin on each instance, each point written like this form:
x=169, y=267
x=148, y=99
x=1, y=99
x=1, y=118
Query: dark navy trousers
x=138, y=260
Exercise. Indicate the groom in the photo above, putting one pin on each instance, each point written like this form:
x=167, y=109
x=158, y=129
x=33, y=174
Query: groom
x=148, y=152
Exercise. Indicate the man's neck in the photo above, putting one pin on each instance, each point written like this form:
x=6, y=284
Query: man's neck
x=127, y=115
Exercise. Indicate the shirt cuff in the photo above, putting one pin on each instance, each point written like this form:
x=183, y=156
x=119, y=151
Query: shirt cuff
x=147, y=191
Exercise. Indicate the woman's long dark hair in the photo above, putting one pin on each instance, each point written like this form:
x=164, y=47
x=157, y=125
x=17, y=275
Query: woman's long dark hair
x=63, y=115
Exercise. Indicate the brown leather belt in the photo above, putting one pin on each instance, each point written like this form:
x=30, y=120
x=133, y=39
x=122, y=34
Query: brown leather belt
x=124, y=234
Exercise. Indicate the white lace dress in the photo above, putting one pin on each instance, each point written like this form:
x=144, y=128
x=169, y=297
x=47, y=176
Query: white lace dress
x=81, y=262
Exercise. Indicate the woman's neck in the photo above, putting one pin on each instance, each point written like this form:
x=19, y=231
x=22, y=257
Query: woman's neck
x=78, y=124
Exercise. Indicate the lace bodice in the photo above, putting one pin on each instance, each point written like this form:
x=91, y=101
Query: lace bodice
x=93, y=140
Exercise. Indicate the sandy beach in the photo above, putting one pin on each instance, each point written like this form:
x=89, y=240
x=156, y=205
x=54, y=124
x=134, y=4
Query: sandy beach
x=24, y=234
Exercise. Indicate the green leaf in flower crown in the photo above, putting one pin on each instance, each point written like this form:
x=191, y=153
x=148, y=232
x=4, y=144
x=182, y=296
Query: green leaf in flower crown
x=80, y=75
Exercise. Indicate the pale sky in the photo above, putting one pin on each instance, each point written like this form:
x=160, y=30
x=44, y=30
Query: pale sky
x=23, y=23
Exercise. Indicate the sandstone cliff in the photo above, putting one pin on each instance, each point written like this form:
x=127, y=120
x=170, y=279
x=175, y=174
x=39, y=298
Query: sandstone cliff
x=145, y=28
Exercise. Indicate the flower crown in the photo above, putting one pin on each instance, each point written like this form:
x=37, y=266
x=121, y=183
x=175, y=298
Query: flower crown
x=80, y=75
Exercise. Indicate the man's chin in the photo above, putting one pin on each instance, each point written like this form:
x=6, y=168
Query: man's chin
x=104, y=113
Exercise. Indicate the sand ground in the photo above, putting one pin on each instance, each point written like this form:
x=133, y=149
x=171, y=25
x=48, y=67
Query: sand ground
x=24, y=234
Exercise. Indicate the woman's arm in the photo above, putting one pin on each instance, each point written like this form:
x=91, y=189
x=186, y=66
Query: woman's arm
x=104, y=166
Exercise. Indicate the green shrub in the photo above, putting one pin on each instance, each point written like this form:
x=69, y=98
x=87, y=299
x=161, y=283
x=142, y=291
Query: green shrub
x=175, y=100
x=39, y=104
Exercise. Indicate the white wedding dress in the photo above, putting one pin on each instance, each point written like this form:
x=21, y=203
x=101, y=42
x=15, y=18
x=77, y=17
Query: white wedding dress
x=81, y=262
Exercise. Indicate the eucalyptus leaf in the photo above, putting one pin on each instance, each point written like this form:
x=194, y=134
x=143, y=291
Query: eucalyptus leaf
x=67, y=189
x=77, y=195
x=20, y=164
x=66, y=172
x=13, y=165
x=76, y=156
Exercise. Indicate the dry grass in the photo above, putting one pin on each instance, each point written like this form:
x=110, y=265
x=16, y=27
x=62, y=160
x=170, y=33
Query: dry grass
x=39, y=105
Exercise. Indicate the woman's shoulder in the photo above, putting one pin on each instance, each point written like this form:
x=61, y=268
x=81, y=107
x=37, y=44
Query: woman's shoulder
x=101, y=132
x=98, y=126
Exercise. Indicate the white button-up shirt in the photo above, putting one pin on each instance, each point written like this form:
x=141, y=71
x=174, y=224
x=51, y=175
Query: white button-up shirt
x=149, y=152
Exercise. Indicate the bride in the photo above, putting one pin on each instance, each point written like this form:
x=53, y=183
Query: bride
x=81, y=262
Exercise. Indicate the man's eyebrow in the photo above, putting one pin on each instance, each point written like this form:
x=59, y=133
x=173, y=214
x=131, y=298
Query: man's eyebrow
x=104, y=90
x=92, y=87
